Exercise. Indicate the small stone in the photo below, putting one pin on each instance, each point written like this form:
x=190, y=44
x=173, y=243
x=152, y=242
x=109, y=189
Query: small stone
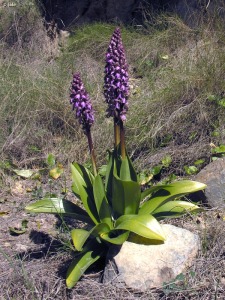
x=21, y=247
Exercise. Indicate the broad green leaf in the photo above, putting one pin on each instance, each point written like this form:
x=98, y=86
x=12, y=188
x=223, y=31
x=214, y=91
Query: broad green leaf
x=148, y=192
x=115, y=237
x=82, y=188
x=102, y=205
x=82, y=262
x=127, y=171
x=24, y=173
x=133, y=174
x=80, y=236
x=126, y=197
x=168, y=193
x=85, y=173
x=143, y=225
x=109, y=176
x=59, y=206
x=174, y=209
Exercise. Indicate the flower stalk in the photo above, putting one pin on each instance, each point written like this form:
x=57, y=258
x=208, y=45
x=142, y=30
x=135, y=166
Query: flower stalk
x=122, y=140
x=116, y=133
x=92, y=152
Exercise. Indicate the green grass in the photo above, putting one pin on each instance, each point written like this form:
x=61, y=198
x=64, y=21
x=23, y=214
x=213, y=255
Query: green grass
x=173, y=70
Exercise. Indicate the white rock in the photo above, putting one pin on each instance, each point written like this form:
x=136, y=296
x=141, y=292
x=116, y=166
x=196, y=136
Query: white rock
x=143, y=267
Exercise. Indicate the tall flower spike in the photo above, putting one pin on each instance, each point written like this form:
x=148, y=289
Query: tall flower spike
x=80, y=100
x=116, y=85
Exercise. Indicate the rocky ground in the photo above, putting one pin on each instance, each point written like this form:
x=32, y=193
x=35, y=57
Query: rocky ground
x=35, y=252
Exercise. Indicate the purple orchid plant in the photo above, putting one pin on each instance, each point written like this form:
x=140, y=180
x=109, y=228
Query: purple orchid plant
x=114, y=204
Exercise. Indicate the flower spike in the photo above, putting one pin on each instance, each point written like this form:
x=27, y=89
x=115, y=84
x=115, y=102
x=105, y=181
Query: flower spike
x=116, y=86
x=80, y=100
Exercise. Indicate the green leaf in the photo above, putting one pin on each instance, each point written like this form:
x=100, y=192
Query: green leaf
x=174, y=209
x=115, y=237
x=190, y=170
x=127, y=171
x=102, y=205
x=24, y=223
x=148, y=192
x=109, y=177
x=126, y=197
x=156, y=170
x=82, y=188
x=102, y=170
x=24, y=173
x=168, y=193
x=80, y=236
x=219, y=149
x=93, y=251
x=166, y=161
x=15, y=231
x=59, y=206
x=51, y=160
x=85, y=173
x=199, y=162
x=143, y=225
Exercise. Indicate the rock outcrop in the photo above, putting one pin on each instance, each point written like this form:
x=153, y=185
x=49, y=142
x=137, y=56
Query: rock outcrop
x=70, y=12
x=213, y=175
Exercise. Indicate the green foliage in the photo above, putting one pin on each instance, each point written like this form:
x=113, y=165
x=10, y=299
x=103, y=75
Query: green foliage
x=190, y=170
x=115, y=206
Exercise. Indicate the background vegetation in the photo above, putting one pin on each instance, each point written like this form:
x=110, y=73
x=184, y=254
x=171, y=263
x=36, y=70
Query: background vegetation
x=177, y=100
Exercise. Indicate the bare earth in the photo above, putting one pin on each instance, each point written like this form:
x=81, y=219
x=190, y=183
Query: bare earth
x=33, y=264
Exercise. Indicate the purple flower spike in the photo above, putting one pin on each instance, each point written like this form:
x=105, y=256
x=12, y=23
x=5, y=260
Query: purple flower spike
x=116, y=86
x=80, y=100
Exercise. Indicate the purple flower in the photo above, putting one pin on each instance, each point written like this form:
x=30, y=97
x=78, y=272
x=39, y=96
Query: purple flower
x=116, y=86
x=80, y=100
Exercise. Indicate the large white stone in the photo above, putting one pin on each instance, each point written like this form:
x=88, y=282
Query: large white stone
x=142, y=267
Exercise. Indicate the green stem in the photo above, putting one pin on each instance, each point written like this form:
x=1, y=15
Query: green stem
x=92, y=153
x=122, y=140
x=116, y=132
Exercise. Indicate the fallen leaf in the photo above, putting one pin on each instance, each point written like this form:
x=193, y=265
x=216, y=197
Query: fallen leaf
x=24, y=173
x=56, y=172
x=2, y=213
x=16, y=231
